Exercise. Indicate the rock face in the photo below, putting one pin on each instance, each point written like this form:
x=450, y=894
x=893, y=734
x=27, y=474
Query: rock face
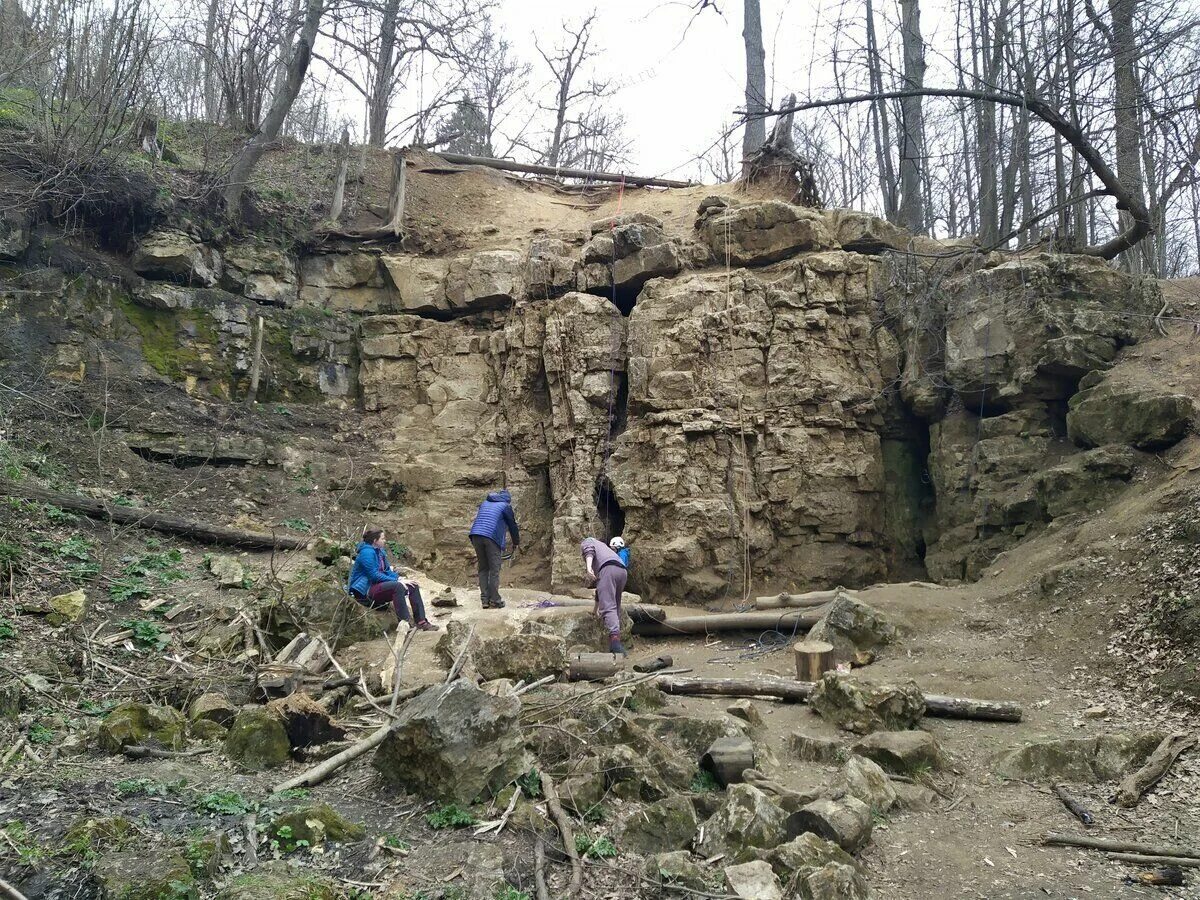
x=1104, y=758
x=175, y=256
x=863, y=708
x=1142, y=416
x=760, y=233
x=453, y=742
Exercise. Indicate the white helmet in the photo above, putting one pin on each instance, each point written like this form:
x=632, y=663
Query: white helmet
x=617, y=543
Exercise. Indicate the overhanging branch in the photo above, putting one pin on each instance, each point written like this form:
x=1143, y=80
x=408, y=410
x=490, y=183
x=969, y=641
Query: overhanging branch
x=1140, y=226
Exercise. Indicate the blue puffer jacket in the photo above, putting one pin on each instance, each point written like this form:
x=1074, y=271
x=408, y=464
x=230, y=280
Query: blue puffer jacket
x=366, y=570
x=495, y=516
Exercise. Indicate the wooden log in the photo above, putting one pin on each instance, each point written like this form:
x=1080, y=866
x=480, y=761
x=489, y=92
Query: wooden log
x=728, y=758
x=1137, y=783
x=794, y=601
x=1058, y=839
x=505, y=165
x=339, y=184
x=799, y=622
x=638, y=612
x=1077, y=809
x=139, y=518
x=554, y=808
x=1143, y=859
x=594, y=666
x=1166, y=876
x=665, y=661
x=285, y=655
x=786, y=689
x=813, y=659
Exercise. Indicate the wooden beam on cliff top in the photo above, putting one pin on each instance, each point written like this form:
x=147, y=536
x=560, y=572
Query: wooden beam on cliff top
x=506, y=165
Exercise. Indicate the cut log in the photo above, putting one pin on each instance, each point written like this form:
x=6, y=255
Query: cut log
x=285, y=655
x=1167, y=876
x=1144, y=859
x=594, y=666
x=638, y=612
x=786, y=689
x=1137, y=783
x=505, y=165
x=138, y=518
x=665, y=661
x=728, y=758
x=1057, y=839
x=799, y=622
x=813, y=659
x=1077, y=809
x=797, y=601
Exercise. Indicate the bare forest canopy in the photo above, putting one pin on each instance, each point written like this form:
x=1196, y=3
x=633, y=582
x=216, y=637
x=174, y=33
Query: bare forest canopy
x=1073, y=124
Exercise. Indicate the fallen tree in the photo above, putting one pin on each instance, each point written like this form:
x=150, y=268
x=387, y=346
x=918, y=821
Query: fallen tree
x=796, y=621
x=1057, y=839
x=506, y=165
x=936, y=705
x=152, y=521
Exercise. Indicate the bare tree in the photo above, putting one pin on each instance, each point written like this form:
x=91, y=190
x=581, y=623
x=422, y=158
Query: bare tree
x=911, y=213
x=495, y=81
x=567, y=63
x=756, y=78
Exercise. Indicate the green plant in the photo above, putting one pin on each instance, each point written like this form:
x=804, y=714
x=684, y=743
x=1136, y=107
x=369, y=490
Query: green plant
x=91, y=707
x=21, y=838
x=297, y=524
x=704, y=782
x=10, y=557
x=122, y=500
x=530, y=784
x=75, y=548
x=450, y=816
x=508, y=892
x=147, y=635
x=128, y=787
x=397, y=550
x=223, y=803
x=595, y=814
x=58, y=515
x=594, y=848
x=127, y=587
x=292, y=794
x=8, y=630
x=40, y=734
x=397, y=844
x=281, y=410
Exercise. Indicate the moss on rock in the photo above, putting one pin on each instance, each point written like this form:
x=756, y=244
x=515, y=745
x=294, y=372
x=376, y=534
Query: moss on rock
x=257, y=740
x=139, y=723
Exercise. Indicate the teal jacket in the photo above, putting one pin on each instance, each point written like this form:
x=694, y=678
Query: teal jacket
x=370, y=567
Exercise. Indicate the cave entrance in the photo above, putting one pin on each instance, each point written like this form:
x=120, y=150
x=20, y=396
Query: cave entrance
x=608, y=510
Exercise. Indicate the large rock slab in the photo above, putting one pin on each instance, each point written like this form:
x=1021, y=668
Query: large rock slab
x=263, y=273
x=490, y=279
x=862, y=708
x=669, y=824
x=747, y=821
x=176, y=256
x=1087, y=481
x=901, y=752
x=1103, y=758
x=864, y=780
x=761, y=233
x=627, y=256
x=753, y=881
x=453, y=742
x=526, y=657
x=680, y=871
x=834, y=881
x=1146, y=416
x=852, y=627
x=805, y=854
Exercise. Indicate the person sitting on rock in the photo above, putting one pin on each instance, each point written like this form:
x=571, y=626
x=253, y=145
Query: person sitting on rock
x=621, y=549
x=494, y=520
x=375, y=584
x=606, y=571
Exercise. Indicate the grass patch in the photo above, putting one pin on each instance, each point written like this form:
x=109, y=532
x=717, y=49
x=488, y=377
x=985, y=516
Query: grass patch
x=594, y=848
x=223, y=803
x=8, y=631
x=704, y=782
x=450, y=816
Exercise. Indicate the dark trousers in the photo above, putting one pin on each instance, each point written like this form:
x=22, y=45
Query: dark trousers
x=487, y=553
x=393, y=593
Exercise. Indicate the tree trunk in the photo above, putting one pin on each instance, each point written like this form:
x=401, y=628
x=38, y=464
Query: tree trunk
x=212, y=104
x=1127, y=133
x=813, y=659
x=756, y=79
x=879, y=121
x=911, y=214
x=594, y=666
x=339, y=185
x=281, y=105
x=798, y=621
x=381, y=86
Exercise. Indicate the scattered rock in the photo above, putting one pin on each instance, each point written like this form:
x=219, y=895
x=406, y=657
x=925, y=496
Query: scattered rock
x=804, y=854
x=809, y=748
x=862, y=708
x=311, y=826
x=866, y=781
x=1102, y=758
x=207, y=732
x=680, y=870
x=901, y=752
x=257, y=740
x=138, y=723
x=144, y=874
x=847, y=822
x=852, y=627
x=228, y=571
x=1146, y=416
x=834, y=881
x=526, y=657
x=695, y=733
x=213, y=707
x=746, y=710
x=68, y=608
x=446, y=599
x=753, y=881
x=1096, y=712
x=454, y=742
x=669, y=824
x=306, y=722
x=748, y=820
x=914, y=797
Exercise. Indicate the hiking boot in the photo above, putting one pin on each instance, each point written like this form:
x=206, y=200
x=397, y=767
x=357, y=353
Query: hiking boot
x=615, y=646
x=499, y=604
x=426, y=625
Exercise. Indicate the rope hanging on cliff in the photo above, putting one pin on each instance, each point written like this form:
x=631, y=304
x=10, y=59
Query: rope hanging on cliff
x=614, y=346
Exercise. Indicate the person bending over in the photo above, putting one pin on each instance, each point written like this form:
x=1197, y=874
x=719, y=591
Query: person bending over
x=494, y=520
x=606, y=571
x=375, y=584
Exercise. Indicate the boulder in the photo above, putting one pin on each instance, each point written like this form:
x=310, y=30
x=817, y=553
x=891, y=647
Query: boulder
x=584, y=792
x=753, y=881
x=669, y=824
x=14, y=233
x=208, y=732
x=420, y=282
x=576, y=625
x=627, y=256
x=761, y=233
x=311, y=826
x=747, y=711
x=227, y=570
x=175, y=256
x=748, y=820
x=1102, y=758
x=847, y=822
x=852, y=627
x=866, y=781
x=834, y=881
x=862, y=708
x=214, y=708
x=262, y=273
x=134, y=723
x=306, y=722
x=914, y=797
x=901, y=752
x=1146, y=416
x=804, y=854
x=144, y=874
x=1086, y=481
x=679, y=869
x=454, y=742
x=525, y=657
x=694, y=733
x=320, y=605
x=810, y=748
x=257, y=740
x=278, y=882
x=489, y=279
x=69, y=608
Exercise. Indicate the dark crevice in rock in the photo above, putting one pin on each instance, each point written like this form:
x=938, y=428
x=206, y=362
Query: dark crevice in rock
x=624, y=297
x=608, y=509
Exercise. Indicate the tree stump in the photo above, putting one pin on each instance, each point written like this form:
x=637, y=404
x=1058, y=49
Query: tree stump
x=728, y=758
x=594, y=666
x=813, y=659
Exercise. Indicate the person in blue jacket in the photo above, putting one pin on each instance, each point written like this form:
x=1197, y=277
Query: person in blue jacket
x=375, y=584
x=494, y=520
x=621, y=549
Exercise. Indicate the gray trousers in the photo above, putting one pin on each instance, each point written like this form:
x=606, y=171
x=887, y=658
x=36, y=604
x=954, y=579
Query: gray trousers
x=487, y=553
x=610, y=584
